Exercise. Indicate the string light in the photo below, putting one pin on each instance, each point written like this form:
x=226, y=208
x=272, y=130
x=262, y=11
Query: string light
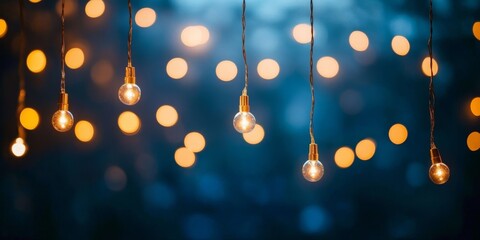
x=244, y=121
x=19, y=147
x=62, y=119
x=312, y=169
x=439, y=172
x=129, y=93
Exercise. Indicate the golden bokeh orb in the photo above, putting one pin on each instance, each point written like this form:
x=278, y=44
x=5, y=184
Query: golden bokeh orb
x=29, y=118
x=400, y=45
x=365, y=149
x=268, y=69
x=167, y=116
x=475, y=106
x=476, y=30
x=473, y=141
x=344, y=157
x=184, y=157
x=193, y=36
x=255, y=136
x=358, y=41
x=398, y=134
x=74, y=58
x=95, y=8
x=226, y=70
x=194, y=141
x=145, y=17
x=328, y=67
x=36, y=61
x=84, y=131
x=302, y=33
x=426, y=66
x=177, y=68
x=3, y=27
x=129, y=123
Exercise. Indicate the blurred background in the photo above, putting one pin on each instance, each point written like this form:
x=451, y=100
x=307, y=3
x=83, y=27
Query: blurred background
x=172, y=166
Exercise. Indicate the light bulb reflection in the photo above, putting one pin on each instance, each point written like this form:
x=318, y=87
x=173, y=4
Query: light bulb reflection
x=129, y=93
x=244, y=122
x=19, y=148
x=312, y=170
x=439, y=173
x=62, y=120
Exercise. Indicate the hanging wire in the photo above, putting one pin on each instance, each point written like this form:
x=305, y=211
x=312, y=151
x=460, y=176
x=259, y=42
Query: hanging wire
x=130, y=33
x=21, y=74
x=244, y=52
x=312, y=138
x=431, y=99
x=62, y=81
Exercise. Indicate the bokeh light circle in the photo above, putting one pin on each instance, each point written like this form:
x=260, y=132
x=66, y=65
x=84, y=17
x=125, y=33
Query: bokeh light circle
x=365, y=149
x=3, y=27
x=36, y=61
x=475, y=106
x=400, y=45
x=167, y=116
x=194, y=141
x=476, y=30
x=177, y=68
x=129, y=123
x=94, y=8
x=29, y=118
x=358, y=41
x=226, y=70
x=344, y=157
x=84, y=131
x=473, y=141
x=74, y=58
x=184, y=157
x=426, y=66
x=328, y=67
x=193, y=36
x=398, y=134
x=145, y=17
x=268, y=69
x=302, y=33
x=255, y=136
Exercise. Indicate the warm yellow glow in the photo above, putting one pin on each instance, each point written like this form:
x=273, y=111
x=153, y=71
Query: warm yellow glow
x=476, y=30
x=328, y=67
x=398, y=134
x=365, y=149
x=301, y=33
x=226, y=70
x=167, y=116
x=268, y=69
x=184, y=157
x=194, y=141
x=129, y=123
x=426, y=66
x=439, y=173
x=18, y=147
x=475, y=106
x=74, y=58
x=344, y=157
x=84, y=131
x=3, y=28
x=244, y=122
x=35, y=1
x=255, y=136
x=145, y=17
x=62, y=120
x=177, y=68
x=29, y=118
x=312, y=170
x=102, y=72
x=358, y=41
x=95, y=8
x=473, y=141
x=400, y=45
x=36, y=61
x=193, y=36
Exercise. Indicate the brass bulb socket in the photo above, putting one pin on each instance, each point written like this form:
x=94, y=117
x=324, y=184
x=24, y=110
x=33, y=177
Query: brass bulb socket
x=63, y=101
x=313, y=152
x=435, y=156
x=130, y=75
x=244, y=104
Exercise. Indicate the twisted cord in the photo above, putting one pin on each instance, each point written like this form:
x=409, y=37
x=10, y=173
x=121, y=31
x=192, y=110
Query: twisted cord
x=244, y=52
x=130, y=33
x=431, y=89
x=21, y=74
x=62, y=81
x=312, y=138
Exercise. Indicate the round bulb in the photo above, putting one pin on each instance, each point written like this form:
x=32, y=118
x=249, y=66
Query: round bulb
x=244, y=122
x=312, y=170
x=18, y=147
x=129, y=93
x=62, y=120
x=439, y=173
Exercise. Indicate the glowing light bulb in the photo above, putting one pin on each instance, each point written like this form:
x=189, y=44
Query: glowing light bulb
x=244, y=121
x=312, y=169
x=18, y=147
x=62, y=120
x=439, y=172
x=129, y=93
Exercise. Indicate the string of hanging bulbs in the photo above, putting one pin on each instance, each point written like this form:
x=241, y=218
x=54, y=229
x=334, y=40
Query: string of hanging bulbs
x=243, y=122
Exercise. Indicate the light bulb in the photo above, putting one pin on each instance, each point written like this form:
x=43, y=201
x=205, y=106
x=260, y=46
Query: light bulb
x=439, y=172
x=18, y=147
x=129, y=93
x=312, y=169
x=244, y=121
x=62, y=120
